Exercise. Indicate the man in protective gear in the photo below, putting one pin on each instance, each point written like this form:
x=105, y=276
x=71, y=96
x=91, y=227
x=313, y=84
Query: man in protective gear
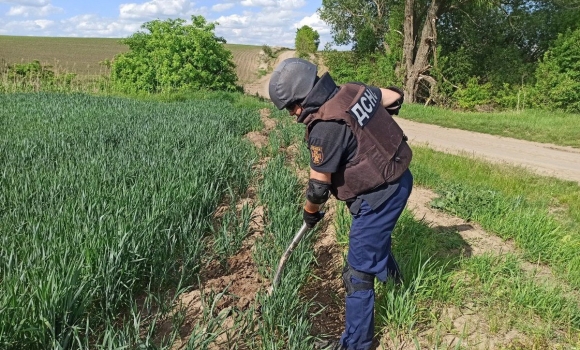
x=359, y=154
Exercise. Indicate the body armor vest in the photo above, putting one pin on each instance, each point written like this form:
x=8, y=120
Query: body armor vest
x=382, y=154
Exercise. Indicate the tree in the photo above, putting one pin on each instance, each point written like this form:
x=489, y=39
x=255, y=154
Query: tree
x=307, y=41
x=358, y=22
x=501, y=44
x=171, y=55
x=351, y=20
x=494, y=40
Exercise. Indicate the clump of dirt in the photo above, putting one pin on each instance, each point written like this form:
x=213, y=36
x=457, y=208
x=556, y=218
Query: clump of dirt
x=236, y=285
x=260, y=138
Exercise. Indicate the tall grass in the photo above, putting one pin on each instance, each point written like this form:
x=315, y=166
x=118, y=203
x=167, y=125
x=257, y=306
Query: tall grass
x=438, y=276
x=102, y=199
x=38, y=77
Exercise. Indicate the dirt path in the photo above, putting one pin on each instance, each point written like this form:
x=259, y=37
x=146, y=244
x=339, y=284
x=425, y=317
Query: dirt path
x=260, y=87
x=541, y=158
x=544, y=159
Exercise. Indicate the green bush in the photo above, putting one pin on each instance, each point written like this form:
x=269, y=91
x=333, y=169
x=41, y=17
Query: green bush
x=307, y=41
x=268, y=51
x=173, y=56
x=376, y=69
x=558, y=75
x=34, y=76
x=473, y=94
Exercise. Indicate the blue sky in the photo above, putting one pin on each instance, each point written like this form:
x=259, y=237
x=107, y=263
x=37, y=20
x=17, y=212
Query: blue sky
x=256, y=22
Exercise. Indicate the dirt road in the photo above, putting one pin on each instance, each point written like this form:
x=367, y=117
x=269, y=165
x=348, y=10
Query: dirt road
x=544, y=159
x=260, y=87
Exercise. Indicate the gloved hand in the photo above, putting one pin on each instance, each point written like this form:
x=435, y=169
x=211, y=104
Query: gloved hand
x=394, y=108
x=311, y=219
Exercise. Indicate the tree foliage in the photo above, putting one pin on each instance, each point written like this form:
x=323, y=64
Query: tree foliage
x=502, y=44
x=307, y=41
x=358, y=22
x=558, y=75
x=172, y=55
x=444, y=49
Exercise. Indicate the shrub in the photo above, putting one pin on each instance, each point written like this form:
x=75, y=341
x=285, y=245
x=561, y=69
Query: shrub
x=473, y=94
x=268, y=51
x=376, y=69
x=172, y=56
x=558, y=75
x=34, y=76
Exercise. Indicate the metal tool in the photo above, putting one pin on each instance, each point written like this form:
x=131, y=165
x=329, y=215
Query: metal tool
x=286, y=255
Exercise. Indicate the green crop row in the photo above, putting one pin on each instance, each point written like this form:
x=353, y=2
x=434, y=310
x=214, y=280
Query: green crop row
x=104, y=200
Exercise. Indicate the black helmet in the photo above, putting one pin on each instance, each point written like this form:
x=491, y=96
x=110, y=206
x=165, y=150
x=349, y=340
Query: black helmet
x=291, y=81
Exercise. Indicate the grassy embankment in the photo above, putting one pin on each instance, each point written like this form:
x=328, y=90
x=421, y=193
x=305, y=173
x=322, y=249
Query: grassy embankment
x=129, y=252
x=444, y=283
x=107, y=211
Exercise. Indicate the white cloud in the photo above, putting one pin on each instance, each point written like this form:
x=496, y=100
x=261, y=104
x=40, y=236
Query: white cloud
x=233, y=21
x=291, y=5
x=156, y=8
x=259, y=3
x=30, y=26
x=222, y=7
x=34, y=11
x=35, y=3
x=315, y=23
x=273, y=27
x=278, y=4
x=95, y=26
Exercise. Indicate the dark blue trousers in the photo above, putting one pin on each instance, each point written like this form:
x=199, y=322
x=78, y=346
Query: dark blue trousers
x=369, y=251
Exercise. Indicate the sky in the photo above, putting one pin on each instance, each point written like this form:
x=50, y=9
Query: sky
x=254, y=22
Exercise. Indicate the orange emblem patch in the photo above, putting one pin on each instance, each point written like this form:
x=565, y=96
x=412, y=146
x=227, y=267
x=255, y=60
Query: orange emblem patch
x=316, y=154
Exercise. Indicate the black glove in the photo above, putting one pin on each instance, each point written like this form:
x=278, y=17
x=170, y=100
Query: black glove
x=311, y=219
x=396, y=106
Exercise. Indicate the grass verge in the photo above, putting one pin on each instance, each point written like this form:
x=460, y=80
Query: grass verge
x=533, y=125
x=541, y=214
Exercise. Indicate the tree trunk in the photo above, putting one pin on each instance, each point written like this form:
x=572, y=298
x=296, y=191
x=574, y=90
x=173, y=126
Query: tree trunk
x=408, y=47
x=418, y=64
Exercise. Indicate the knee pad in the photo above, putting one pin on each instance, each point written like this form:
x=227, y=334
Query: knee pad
x=367, y=280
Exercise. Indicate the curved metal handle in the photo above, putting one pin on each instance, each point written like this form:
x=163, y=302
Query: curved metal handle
x=286, y=255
